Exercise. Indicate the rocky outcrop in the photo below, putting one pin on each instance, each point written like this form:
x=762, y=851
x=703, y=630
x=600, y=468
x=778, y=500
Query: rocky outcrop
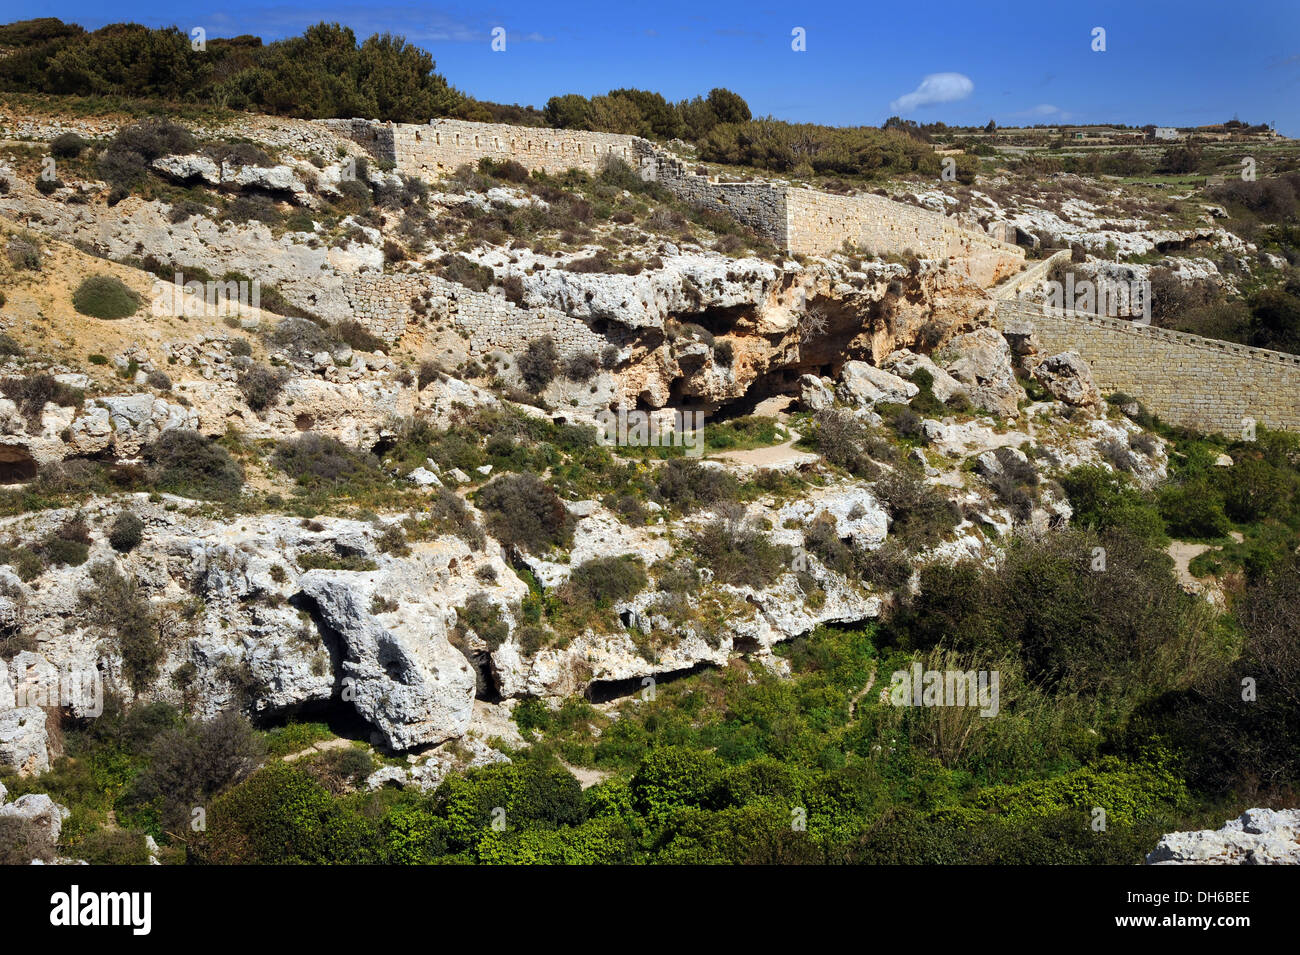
x=41, y=819
x=1068, y=377
x=864, y=385
x=1257, y=837
x=906, y=362
x=400, y=672
x=982, y=363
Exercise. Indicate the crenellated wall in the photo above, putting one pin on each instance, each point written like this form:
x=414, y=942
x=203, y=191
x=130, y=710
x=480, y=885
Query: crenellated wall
x=1187, y=380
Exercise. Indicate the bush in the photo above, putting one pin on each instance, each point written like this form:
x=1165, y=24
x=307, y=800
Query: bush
x=919, y=515
x=606, y=580
x=688, y=485
x=103, y=296
x=281, y=816
x=116, y=605
x=192, y=763
x=33, y=393
x=457, y=268
x=67, y=146
x=846, y=441
x=186, y=463
x=1194, y=510
x=582, y=367
x=127, y=532
x=317, y=461
x=740, y=554
x=159, y=380
x=260, y=386
x=539, y=364
x=484, y=617
x=24, y=255
x=524, y=512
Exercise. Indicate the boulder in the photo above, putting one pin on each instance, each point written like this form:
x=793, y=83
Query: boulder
x=24, y=744
x=44, y=817
x=905, y=363
x=1257, y=837
x=189, y=168
x=815, y=393
x=1068, y=378
x=983, y=365
x=865, y=385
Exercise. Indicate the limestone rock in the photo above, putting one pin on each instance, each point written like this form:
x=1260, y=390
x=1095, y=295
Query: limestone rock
x=1257, y=837
x=44, y=815
x=188, y=168
x=905, y=362
x=24, y=745
x=1068, y=377
x=865, y=385
x=983, y=365
x=407, y=680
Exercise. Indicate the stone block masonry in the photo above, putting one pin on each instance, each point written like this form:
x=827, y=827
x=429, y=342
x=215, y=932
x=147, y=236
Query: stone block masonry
x=796, y=220
x=1187, y=380
x=382, y=303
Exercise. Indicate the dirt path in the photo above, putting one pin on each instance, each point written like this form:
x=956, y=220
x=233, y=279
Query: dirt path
x=853, y=703
x=770, y=457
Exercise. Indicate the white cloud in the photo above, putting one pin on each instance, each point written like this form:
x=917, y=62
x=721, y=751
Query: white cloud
x=1042, y=109
x=935, y=88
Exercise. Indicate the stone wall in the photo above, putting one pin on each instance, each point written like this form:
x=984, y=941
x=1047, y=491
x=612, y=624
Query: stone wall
x=383, y=305
x=436, y=149
x=795, y=220
x=1187, y=380
x=820, y=222
x=1036, y=273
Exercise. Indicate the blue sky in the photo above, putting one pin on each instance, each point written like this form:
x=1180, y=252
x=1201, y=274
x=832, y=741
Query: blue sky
x=1170, y=62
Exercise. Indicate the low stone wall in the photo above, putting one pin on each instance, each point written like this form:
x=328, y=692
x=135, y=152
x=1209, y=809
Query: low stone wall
x=1187, y=380
x=1036, y=273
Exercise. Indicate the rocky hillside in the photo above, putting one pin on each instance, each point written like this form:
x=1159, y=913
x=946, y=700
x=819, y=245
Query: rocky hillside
x=420, y=532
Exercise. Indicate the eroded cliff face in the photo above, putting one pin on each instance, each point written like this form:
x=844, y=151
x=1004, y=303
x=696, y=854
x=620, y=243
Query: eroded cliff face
x=753, y=335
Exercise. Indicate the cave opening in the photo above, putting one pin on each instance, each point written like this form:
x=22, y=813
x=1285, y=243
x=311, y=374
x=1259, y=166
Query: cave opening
x=17, y=466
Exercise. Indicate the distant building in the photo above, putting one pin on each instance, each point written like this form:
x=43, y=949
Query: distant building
x=1167, y=132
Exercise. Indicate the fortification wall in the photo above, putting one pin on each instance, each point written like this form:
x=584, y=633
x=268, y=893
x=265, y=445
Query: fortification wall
x=435, y=149
x=382, y=303
x=820, y=222
x=1187, y=380
x=795, y=220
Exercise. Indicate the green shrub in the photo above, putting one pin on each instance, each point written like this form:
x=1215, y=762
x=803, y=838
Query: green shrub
x=606, y=580
x=740, y=554
x=523, y=511
x=126, y=533
x=484, y=617
x=190, y=764
x=186, y=463
x=920, y=516
x=67, y=146
x=103, y=296
x=317, y=461
x=686, y=484
x=116, y=605
x=539, y=363
x=260, y=386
